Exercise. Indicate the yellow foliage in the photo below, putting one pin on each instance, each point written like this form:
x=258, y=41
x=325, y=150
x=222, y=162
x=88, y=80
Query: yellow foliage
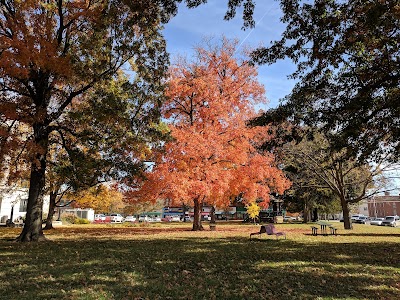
x=253, y=210
x=101, y=198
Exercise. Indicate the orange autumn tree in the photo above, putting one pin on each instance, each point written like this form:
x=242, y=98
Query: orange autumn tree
x=212, y=155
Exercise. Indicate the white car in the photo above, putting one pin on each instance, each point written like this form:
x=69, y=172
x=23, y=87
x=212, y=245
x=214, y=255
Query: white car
x=130, y=219
x=356, y=217
x=98, y=218
x=376, y=221
x=144, y=218
x=175, y=218
x=289, y=219
x=116, y=218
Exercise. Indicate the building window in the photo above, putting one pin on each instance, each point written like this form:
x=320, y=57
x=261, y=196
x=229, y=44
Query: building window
x=23, y=205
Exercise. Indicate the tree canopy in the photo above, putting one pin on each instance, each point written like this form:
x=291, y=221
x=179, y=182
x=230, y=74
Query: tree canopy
x=52, y=55
x=347, y=55
x=100, y=198
x=318, y=169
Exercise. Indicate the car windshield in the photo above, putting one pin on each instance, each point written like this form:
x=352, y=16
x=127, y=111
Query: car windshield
x=389, y=218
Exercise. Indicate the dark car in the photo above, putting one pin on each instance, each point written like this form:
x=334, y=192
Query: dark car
x=361, y=220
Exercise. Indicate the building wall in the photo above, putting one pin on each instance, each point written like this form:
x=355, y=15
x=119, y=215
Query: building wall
x=362, y=209
x=17, y=198
x=381, y=206
x=83, y=213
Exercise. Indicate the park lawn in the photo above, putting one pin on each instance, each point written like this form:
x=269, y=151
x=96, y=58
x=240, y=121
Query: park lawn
x=168, y=261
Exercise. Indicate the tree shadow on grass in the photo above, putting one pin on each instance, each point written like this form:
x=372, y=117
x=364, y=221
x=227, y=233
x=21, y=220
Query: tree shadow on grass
x=199, y=268
x=373, y=234
x=357, y=234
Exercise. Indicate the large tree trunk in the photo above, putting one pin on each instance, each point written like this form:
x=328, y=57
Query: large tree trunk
x=197, y=215
x=32, y=231
x=346, y=214
x=50, y=215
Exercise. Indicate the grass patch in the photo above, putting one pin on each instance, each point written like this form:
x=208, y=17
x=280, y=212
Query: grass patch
x=170, y=262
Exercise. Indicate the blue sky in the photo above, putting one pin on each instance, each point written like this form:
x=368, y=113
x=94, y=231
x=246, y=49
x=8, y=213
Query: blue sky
x=190, y=26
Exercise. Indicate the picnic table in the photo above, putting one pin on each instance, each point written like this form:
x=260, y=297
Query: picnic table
x=324, y=228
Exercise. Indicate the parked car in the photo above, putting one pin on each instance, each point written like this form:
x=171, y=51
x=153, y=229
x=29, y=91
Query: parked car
x=99, y=218
x=187, y=219
x=155, y=219
x=288, y=219
x=361, y=220
x=393, y=221
x=376, y=221
x=130, y=219
x=175, y=219
x=116, y=218
x=355, y=217
x=144, y=218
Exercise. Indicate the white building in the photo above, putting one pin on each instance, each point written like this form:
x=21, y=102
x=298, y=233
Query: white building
x=361, y=208
x=83, y=213
x=14, y=200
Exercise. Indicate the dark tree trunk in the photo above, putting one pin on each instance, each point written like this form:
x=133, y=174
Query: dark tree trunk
x=315, y=215
x=197, y=215
x=52, y=207
x=184, y=209
x=212, y=215
x=213, y=226
x=346, y=214
x=32, y=231
x=306, y=213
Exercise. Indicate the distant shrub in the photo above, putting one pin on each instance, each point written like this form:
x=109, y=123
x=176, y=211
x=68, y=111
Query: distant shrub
x=73, y=219
x=81, y=221
x=131, y=224
x=69, y=218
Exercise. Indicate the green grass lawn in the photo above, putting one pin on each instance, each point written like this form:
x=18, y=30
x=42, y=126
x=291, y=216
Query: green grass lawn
x=171, y=262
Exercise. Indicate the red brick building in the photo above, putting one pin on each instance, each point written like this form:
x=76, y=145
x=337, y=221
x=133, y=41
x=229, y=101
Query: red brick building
x=381, y=206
